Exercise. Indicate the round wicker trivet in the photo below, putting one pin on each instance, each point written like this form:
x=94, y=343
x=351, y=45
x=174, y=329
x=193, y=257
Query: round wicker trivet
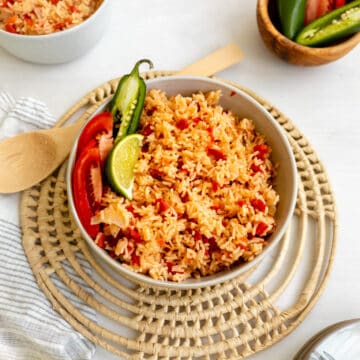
x=228, y=321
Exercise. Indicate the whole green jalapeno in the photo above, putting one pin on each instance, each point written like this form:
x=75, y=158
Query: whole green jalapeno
x=292, y=15
x=128, y=101
x=334, y=25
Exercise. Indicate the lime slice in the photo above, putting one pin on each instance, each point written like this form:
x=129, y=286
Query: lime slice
x=121, y=163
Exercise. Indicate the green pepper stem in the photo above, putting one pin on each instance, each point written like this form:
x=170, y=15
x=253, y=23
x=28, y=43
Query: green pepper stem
x=135, y=70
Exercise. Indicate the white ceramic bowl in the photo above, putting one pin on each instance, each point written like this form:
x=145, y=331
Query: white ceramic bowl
x=286, y=180
x=62, y=46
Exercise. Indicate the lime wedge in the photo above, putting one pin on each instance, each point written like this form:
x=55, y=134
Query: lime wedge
x=121, y=163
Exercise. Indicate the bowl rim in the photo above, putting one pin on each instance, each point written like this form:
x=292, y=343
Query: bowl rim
x=61, y=33
x=263, y=12
x=210, y=280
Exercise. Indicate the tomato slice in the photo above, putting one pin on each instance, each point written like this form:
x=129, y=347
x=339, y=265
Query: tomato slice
x=87, y=188
x=317, y=8
x=99, y=125
x=339, y=3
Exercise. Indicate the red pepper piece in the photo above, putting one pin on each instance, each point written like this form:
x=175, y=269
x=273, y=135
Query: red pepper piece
x=196, y=120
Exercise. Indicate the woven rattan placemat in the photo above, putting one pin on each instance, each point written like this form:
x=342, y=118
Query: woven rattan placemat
x=228, y=321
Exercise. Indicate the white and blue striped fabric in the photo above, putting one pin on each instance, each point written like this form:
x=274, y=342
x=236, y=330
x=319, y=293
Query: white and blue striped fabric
x=30, y=329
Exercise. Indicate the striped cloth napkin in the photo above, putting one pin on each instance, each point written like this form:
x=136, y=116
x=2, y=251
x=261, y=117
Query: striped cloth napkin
x=30, y=329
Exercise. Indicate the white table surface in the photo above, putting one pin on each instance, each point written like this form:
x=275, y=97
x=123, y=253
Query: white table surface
x=323, y=101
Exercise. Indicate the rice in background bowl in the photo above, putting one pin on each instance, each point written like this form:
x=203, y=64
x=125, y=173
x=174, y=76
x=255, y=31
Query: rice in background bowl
x=42, y=17
x=245, y=107
x=52, y=36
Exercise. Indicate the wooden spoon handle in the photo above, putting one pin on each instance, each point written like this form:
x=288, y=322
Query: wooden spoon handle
x=215, y=62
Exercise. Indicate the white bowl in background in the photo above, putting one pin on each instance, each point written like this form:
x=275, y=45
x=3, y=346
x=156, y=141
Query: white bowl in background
x=285, y=182
x=62, y=46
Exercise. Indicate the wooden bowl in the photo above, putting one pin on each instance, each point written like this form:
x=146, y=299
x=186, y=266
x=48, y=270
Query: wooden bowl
x=290, y=51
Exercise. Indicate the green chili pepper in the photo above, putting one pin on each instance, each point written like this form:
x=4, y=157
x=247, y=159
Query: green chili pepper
x=128, y=101
x=292, y=15
x=334, y=25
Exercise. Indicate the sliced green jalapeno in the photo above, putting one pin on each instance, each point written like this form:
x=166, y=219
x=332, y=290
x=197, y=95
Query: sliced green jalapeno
x=292, y=15
x=334, y=25
x=128, y=101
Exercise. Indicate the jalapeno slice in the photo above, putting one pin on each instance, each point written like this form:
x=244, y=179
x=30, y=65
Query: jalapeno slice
x=333, y=26
x=128, y=101
x=292, y=15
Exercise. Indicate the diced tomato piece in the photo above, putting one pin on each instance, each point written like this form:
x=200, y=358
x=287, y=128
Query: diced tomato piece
x=29, y=21
x=11, y=19
x=196, y=120
x=185, y=171
x=73, y=8
x=262, y=148
x=161, y=242
x=255, y=168
x=210, y=130
x=85, y=188
x=216, y=206
x=261, y=229
x=112, y=254
x=147, y=130
x=54, y=1
x=157, y=174
x=216, y=154
x=197, y=235
x=213, y=246
x=135, y=259
x=163, y=206
x=258, y=204
x=243, y=246
x=130, y=208
x=99, y=125
x=151, y=111
x=11, y=28
x=100, y=240
x=241, y=202
x=169, y=267
x=215, y=185
x=182, y=124
x=6, y=3
x=135, y=235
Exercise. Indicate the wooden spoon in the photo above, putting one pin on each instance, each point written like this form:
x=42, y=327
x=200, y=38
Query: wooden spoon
x=31, y=157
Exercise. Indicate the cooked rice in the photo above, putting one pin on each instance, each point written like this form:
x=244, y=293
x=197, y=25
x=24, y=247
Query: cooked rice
x=41, y=17
x=202, y=198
